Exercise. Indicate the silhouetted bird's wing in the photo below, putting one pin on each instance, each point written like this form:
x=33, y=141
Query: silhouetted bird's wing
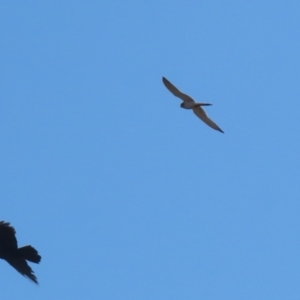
x=20, y=264
x=203, y=116
x=7, y=237
x=176, y=92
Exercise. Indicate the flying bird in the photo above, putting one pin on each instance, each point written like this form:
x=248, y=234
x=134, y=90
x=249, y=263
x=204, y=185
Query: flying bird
x=190, y=103
x=15, y=256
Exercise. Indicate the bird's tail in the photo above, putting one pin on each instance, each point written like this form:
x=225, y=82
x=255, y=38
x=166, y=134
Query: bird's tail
x=29, y=253
x=204, y=104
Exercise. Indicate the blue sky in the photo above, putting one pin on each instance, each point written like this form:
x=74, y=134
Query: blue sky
x=128, y=196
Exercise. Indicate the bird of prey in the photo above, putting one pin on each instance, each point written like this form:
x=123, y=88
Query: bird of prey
x=15, y=256
x=190, y=103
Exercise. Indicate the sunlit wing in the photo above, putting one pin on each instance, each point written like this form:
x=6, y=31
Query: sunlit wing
x=199, y=112
x=176, y=92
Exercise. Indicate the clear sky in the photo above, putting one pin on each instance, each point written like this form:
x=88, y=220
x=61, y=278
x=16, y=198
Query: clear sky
x=124, y=194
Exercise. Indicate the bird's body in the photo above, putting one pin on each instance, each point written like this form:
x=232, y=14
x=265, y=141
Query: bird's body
x=15, y=256
x=190, y=103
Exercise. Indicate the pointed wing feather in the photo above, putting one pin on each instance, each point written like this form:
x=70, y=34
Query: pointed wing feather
x=199, y=112
x=20, y=264
x=176, y=92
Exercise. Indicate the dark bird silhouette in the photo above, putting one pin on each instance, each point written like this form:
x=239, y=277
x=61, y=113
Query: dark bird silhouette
x=190, y=103
x=15, y=256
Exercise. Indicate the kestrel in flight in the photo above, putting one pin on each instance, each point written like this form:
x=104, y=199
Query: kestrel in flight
x=190, y=103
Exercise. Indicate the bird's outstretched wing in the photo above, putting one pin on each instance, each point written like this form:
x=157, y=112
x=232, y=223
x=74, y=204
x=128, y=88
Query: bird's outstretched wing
x=199, y=112
x=176, y=92
x=20, y=264
x=7, y=236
